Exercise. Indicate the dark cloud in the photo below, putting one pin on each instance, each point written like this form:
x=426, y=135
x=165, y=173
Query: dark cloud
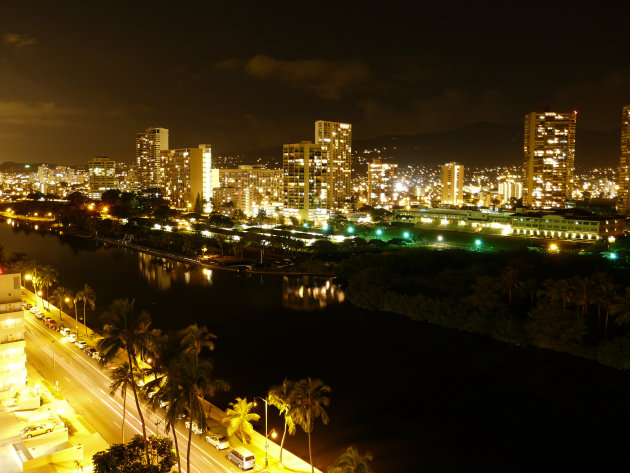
x=17, y=40
x=38, y=114
x=328, y=79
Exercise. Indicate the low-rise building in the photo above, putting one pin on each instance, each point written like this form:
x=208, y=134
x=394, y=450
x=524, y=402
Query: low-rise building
x=12, y=344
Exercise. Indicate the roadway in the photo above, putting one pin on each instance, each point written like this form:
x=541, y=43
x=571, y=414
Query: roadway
x=85, y=385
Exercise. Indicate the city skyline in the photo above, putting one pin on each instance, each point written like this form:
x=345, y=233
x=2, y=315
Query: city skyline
x=85, y=90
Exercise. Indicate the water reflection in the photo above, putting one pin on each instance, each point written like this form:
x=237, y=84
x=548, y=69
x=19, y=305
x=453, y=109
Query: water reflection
x=161, y=273
x=308, y=293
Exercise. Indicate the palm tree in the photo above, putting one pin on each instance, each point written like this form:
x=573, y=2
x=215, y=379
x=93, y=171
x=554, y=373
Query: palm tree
x=88, y=297
x=77, y=298
x=126, y=329
x=582, y=290
x=48, y=277
x=238, y=419
x=309, y=401
x=280, y=397
x=189, y=383
x=195, y=339
x=621, y=308
x=605, y=292
x=509, y=281
x=60, y=296
x=351, y=461
x=122, y=379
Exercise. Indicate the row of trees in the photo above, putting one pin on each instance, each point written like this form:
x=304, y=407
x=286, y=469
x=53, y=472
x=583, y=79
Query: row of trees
x=180, y=376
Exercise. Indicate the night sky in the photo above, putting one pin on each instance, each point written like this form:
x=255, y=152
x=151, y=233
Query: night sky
x=79, y=79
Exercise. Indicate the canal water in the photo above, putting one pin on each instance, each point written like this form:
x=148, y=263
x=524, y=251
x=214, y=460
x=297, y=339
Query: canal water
x=421, y=398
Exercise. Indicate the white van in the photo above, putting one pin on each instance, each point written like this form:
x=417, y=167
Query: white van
x=242, y=458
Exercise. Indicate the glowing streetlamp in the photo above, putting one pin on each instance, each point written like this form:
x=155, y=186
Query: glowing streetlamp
x=406, y=235
x=350, y=230
x=273, y=432
x=379, y=232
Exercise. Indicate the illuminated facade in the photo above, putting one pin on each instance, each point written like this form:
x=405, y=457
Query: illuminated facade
x=382, y=184
x=549, y=163
x=149, y=147
x=102, y=172
x=306, y=180
x=12, y=343
x=452, y=184
x=250, y=188
x=510, y=187
x=623, y=180
x=187, y=173
x=335, y=140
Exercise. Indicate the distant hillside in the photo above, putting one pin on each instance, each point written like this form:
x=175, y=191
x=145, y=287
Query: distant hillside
x=476, y=145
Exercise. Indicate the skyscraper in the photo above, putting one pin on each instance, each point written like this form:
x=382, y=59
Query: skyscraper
x=336, y=143
x=102, y=172
x=549, y=160
x=187, y=174
x=381, y=183
x=305, y=180
x=623, y=181
x=453, y=184
x=149, y=146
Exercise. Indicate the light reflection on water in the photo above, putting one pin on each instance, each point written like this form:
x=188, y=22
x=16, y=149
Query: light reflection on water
x=309, y=293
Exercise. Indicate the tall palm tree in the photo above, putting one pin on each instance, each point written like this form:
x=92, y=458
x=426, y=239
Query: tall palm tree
x=238, y=419
x=621, y=308
x=88, y=298
x=78, y=297
x=281, y=397
x=510, y=281
x=121, y=380
x=194, y=339
x=126, y=329
x=48, y=277
x=308, y=404
x=351, y=461
x=583, y=294
x=192, y=380
x=61, y=297
x=605, y=292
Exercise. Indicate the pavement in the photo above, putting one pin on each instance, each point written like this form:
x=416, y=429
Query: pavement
x=85, y=385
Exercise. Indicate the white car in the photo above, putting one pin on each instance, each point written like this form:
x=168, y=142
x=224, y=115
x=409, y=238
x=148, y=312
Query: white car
x=72, y=337
x=81, y=344
x=218, y=441
x=65, y=331
x=35, y=310
x=195, y=428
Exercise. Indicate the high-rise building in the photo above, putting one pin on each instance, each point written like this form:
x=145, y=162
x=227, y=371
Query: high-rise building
x=306, y=182
x=250, y=187
x=452, y=184
x=623, y=181
x=12, y=344
x=336, y=142
x=102, y=172
x=510, y=187
x=187, y=175
x=149, y=146
x=382, y=183
x=549, y=161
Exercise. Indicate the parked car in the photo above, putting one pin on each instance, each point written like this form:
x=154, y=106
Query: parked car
x=65, y=331
x=36, y=429
x=195, y=428
x=80, y=343
x=218, y=441
x=94, y=353
x=52, y=324
x=72, y=337
x=110, y=365
x=35, y=310
x=26, y=305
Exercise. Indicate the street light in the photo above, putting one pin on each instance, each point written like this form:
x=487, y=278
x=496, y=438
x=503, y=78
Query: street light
x=406, y=234
x=273, y=432
x=379, y=232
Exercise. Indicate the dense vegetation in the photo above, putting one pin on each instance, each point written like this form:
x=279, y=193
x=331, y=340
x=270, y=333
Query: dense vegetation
x=573, y=304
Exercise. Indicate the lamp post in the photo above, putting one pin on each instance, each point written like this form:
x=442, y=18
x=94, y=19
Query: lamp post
x=264, y=399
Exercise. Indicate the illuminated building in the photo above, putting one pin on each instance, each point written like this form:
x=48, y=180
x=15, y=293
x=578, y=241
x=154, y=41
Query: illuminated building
x=102, y=172
x=452, y=184
x=149, y=146
x=187, y=174
x=549, y=159
x=12, y=344
x=382, y=183
x=336, y=146
x=623, y=180
x=250, y=188
x=510, y=187
x=305, y=180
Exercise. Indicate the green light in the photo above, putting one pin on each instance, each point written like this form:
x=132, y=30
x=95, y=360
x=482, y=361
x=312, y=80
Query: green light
x=613, y=256
x=478, y=242
x=305, y=225
x=406, y=234
x=325, y=226
x=350, y=229
x=379, y=232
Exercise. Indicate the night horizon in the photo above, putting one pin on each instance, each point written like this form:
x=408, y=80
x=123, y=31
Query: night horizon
x=85, y=80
